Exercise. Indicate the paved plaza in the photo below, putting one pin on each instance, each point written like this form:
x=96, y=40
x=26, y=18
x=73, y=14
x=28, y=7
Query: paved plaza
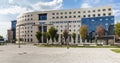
x=32, y=54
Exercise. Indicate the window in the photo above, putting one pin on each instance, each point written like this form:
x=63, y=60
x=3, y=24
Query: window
x=79, y=16
x=28, y=15
x=83, y=11
x=61, y=16
x=98, y=14
x=57, y=17
x=31, y=14
x=61, y=13
x=78, y=11
x=74, y=16
x=74, y=25
x=61, y=30
x=109, y=9
x=104, y=14
x=74, y=12
x=88, y=15
x=89, y=11
x=31, y=18
x=104, y=9
x=57, y=13
x=93, y=15
x=65, y=16
x=84, y=16
x=109, y=14
x=70, y=12
x=93, y=10
x=98, y=10
x=69, y=16
x=42, y=16
x=31, y=39
x=74, y=30
x=65, y=12
x=53, y=13
x=53, y=17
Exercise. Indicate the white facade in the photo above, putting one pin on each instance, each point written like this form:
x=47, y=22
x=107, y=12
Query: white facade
x=59, y=19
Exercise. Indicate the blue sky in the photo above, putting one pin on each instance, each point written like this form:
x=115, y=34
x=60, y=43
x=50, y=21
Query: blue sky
x=10, y=9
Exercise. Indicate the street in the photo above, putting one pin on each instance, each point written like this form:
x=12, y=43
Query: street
x=31, y=54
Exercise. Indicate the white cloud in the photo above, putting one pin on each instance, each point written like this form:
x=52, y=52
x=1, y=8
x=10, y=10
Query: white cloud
x=15, y=8
x=55, y=4
x=86, y=5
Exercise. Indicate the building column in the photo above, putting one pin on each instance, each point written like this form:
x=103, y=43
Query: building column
x=59, y=38
x=76, y=39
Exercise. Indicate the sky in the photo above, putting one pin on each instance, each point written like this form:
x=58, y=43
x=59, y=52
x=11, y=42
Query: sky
x=10, y=9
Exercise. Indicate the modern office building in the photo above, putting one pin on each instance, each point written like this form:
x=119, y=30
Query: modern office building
x=60, y=19
x=12, y=32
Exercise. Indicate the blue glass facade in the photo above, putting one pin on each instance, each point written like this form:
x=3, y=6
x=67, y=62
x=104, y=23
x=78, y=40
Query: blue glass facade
x=13, y=24
x=107, y=22
x=42, y=16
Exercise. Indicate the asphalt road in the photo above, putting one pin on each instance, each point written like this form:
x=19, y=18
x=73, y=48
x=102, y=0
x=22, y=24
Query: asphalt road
x=32, y=54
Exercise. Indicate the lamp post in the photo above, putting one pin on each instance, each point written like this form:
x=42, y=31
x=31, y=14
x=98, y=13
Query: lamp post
x=68, y=35
x=19, y=34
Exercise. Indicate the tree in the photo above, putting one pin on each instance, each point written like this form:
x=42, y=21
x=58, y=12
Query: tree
x=52, y=32
x=83, y=32
x=1, y=37
x=65, y=34
x=117, y=29
x=73, y=36
x=38, y=36
x=56, y=37
x=100, y=31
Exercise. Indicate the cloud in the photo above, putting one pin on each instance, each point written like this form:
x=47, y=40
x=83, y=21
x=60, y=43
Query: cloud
x=55, y=4
x=116, y=9
x=18, y=6
x=14, y=10
x=86, y=5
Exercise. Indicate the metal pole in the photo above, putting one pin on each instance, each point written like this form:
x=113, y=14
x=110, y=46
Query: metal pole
x=19, y=38
x=68, y=37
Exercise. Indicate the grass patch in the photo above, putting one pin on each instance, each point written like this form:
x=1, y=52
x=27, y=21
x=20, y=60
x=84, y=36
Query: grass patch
x=73, y=46
x=116, y=50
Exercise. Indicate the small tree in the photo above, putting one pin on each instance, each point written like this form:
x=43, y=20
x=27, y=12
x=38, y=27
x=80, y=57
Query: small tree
x=117, y=29
x=73, y=36
x=1, y=37
x=52, y=32
x=65, y=34
x=38, y=36
x=56, y=37
x=83, y=32
x=100, y=31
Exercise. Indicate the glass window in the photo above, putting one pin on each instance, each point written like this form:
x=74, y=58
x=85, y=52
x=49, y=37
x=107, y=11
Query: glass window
x=89, y=11
x=93, y=15
x=57, y=13
x=78, y=16
x=88, y=15
x=74, y=16
x=104, y=14
x=53, y=13
x=98, y=14
x=74, y=12
x=93, y=10
x=65, y=12
x=109, y=14
x=61, y=16
x=78, y=11
x=83, y=11
x=70, y=12
x=69, y=16
x=84, y=15
x=42, y=16
x=61, y=13
x=109, y=9
x=65, y=16
x=98, y=10
x=104, y=9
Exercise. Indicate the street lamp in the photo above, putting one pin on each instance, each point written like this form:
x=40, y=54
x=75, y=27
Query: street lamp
x=19, y=34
